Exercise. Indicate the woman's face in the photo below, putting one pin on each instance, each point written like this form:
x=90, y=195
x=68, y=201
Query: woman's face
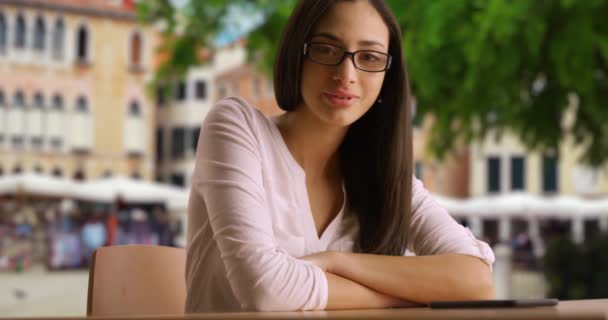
x=339, y=95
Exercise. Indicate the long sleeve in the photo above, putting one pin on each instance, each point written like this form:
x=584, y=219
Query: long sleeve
x=433, y=231
x=229, y=176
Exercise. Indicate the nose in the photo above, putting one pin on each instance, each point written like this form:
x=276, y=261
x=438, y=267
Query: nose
x=346, y=72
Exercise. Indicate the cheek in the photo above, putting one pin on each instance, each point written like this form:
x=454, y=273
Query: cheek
x=373, y=86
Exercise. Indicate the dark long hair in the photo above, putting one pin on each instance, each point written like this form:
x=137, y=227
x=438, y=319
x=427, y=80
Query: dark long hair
x=376, y=154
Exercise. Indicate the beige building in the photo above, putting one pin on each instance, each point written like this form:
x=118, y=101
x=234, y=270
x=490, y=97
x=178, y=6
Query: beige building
x=72, y=90
x=503, y=165
x=448, y=177
x=223, y=73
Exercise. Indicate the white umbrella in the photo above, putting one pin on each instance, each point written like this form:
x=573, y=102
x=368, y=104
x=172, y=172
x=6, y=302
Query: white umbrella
x=130, y=190
x=35, y=183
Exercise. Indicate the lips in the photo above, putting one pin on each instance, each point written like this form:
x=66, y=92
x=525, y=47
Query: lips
x=341, y=94
x=340, y=98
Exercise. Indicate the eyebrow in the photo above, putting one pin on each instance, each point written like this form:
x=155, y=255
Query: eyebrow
x=335, y=38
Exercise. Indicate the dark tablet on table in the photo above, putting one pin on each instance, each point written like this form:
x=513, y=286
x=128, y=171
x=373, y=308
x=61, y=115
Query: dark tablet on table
x=509, y=303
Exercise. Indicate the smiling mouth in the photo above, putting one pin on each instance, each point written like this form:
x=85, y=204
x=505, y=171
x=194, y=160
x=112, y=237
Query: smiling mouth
x=341, y=97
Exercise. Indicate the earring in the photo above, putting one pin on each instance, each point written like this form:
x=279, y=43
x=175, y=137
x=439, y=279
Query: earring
x=379, y=100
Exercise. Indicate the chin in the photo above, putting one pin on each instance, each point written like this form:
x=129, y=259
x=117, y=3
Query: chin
x=341, y=118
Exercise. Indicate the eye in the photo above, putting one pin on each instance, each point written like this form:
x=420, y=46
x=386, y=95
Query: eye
x=369, y=56
x=325, y=49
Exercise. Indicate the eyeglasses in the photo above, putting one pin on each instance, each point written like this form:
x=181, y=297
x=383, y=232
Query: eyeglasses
x=330, y=55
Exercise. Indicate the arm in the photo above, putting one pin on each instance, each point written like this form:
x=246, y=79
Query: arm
x=419, y=279
x=228, y=178
x=348, y=294
x=451, y=264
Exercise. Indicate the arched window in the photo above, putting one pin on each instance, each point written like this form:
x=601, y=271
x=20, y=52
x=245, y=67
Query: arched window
x=3, y=33
x=57, y=172
x=38, y=100
x=20, y=30
x=2, y=116
x=82, y=105
x=39, y=34
x=136, y=49
x=19, y=100
x=57, y=102
x=58, y=39
x=79, y=175
x=82, y=39
x=134, y=109
x=17, y=169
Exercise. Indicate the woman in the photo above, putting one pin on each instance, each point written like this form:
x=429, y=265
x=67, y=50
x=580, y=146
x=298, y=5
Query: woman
x=315, y=208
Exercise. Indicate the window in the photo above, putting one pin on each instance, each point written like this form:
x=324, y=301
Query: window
x=82, y=42
x=2, y=105
x=17, y=169
x=136, y=176
x=136, y=49
x=19, y=100
x=57, y=172
x=201, y=90
x=418, y=170
x=17, y=141
x=58, y=39
x=178, y=143
x=38, y=100
x=57, y=103
x=82, y=105
x=56, y=143
x=159, y=145
x=134, y=109
x=161, y=98
x=550, y=173
x=20, y=30
x=518, y=173
x=3, y=33
x=178, y=179
x=180, y=93
x=79, y=175
x=39, y=34
x=195, y=133
x=107, y=173
x=36, y=142
x=38, y=169
x=493, y=174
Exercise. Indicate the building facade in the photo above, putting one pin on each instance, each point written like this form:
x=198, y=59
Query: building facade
x=224, y=73
x=72, y=91
x=501, y=165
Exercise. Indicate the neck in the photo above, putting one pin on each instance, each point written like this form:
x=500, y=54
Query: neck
x=314, y=145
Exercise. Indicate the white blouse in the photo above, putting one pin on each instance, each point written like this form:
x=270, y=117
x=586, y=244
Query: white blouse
x=249, y=220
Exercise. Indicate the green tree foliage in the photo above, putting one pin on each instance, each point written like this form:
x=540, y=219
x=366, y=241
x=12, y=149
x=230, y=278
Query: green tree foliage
x=577, y=271
x=476, y=65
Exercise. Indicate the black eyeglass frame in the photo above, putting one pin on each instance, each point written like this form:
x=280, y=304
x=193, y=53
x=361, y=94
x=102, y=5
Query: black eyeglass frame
x=351, y=54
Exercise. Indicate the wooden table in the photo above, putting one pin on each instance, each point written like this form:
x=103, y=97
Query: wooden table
x=573, y=309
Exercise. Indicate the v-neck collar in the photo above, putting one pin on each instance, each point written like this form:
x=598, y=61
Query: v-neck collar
x=304, y=202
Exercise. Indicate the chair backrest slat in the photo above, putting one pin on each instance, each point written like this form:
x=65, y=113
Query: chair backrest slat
x=137, y=280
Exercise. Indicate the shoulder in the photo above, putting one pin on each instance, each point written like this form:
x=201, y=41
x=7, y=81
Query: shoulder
x=234, y=109
x=235, y=120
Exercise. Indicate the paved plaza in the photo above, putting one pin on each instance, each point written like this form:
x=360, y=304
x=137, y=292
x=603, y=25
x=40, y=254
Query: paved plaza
x=37, y=292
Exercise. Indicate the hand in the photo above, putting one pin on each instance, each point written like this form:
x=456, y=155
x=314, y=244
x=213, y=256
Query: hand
x=324, y=260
